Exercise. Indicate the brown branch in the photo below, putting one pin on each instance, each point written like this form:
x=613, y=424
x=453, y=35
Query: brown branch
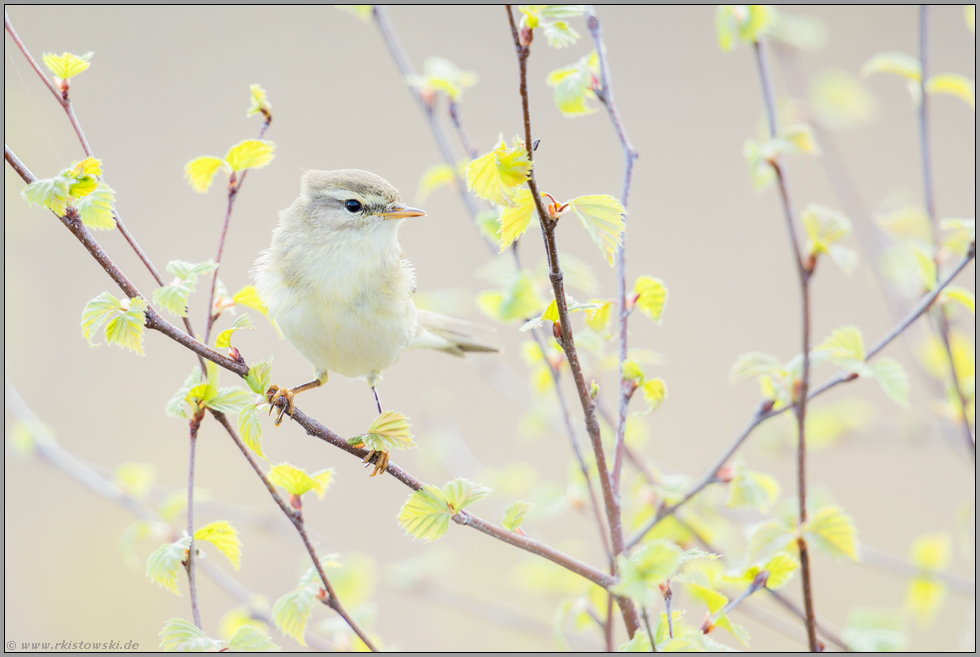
x=930, y=199
x=804, y=271
x=195, y=424
x=331, y=599
x=234, y=186
x=605, y=95
x=762, y=414
x=613, y=511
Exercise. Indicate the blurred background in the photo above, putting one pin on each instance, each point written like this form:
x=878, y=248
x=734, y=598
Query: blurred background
x=169, y=84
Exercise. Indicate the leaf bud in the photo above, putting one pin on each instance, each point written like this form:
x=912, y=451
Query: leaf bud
x=594, y=391
x=725, y=474
x=556, y=331
x=527, y=36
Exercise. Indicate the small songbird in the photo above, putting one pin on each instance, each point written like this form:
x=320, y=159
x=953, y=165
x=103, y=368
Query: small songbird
x=336, y=283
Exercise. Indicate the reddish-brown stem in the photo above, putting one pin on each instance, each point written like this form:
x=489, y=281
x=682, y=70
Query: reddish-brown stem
x=195, y=424
x=296, y=518
x=804, y=272
x=605, y=95
x=630, y=615
x=942, y=323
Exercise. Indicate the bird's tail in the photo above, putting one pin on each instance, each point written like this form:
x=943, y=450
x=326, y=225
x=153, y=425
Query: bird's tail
x=447, y=334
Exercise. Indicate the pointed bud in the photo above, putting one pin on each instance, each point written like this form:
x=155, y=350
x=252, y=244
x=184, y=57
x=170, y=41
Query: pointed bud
x=556, y=331
x=296, y=502
x=725, y=474
x=594, y=391
x=527, y=36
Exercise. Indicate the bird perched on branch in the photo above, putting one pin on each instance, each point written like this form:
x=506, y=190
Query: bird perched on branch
x=336, y=283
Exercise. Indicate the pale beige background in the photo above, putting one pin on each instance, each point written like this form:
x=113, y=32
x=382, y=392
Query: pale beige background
x=167, y=85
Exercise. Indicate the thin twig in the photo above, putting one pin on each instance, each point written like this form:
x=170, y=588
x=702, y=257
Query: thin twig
x=195, y=424
x=613, y=511
x=605, y=95
x=646, y=623
x=804, y=270
x=930, y=200
x=762, y=414
x=331, y=599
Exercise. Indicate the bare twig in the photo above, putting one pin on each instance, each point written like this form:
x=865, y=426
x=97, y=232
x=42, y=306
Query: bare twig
x=613, y=511
x=296, y=518
x=930, y=200
x=605, y=95
x=195, y=424
x=763, y=412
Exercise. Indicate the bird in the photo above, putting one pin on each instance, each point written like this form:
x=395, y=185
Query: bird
x=337, y=284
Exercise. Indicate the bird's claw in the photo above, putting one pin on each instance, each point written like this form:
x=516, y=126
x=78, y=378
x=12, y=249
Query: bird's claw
x=377, y=458
x=282, y=398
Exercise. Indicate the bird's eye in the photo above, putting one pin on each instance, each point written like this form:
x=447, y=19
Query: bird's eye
x=353, y=206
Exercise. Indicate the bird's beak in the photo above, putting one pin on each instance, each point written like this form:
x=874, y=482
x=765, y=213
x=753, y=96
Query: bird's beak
x=400, y=211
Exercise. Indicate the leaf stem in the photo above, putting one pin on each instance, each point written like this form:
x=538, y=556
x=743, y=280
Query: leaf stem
x=613, y=510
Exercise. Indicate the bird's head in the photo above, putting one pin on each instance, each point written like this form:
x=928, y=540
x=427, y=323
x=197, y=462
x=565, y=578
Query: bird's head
x=351, y=198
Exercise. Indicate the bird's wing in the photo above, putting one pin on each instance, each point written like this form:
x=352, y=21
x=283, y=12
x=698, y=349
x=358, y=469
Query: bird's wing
x=447, y=334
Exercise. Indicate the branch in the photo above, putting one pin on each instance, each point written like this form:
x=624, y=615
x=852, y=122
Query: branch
x=605, y=95
x=764, y=412
x=332, y=600
x=234, y=186
x=804, y=271
x=154, y=320
x=568, y=342
x=191, y=580
x=930, y=198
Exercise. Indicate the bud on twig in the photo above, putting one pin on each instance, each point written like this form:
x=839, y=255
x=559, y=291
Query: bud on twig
x=527, y=36
x=725, y=474
x=296, y=502
x=235, y=355
x=556, y=331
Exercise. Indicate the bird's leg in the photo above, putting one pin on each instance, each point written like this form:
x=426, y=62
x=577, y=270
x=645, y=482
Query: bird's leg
x=283, y=397
x=378, y=458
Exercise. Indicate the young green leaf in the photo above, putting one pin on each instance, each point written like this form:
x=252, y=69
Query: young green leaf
x=519, y=301
x=135, y=478
x=924, y=598
x=179, y=635
x=83, y=186
x=363, y=12
x=250, y=429
x=825, y=227
x=96, y=313
x=640, y=573
x=699, y=586
x=248, y=296
x=515, y=513
x=845, y=348
x=753, y=490
x=251, y=639
x=259, y=376
x=488, y=222
x=499, y=174
x=515, y=219
x=223, y=536
x=551, y=312
x=931, y=552
x=960, y=295
x=744, y=22
x=781, y=568
x=291, y=612
x=754, y=363
x=573, y=85
x=297, y=482
x=897, y=63
x=602, y=216
x=223, y=341
x=230, y=399
x=892, y=378
x=800, y=137
x=259, y=101
x=639, y=643
x=440, y=74
x=436, y=176
x=839, y=100
x=250, y=154
x=738, y=631
x=768, y=538
x=51, y=193
x=126, y=329
x=560, y=34
x=97, y=209
x=873, y=630
x=654, y=392
x=163, y=565
x=66, y=65
x=390, y=430
x=425, y=515
x=461, y=492
x=201, y=170
x=954, y=85
x=651, y=297
x=831, y=530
